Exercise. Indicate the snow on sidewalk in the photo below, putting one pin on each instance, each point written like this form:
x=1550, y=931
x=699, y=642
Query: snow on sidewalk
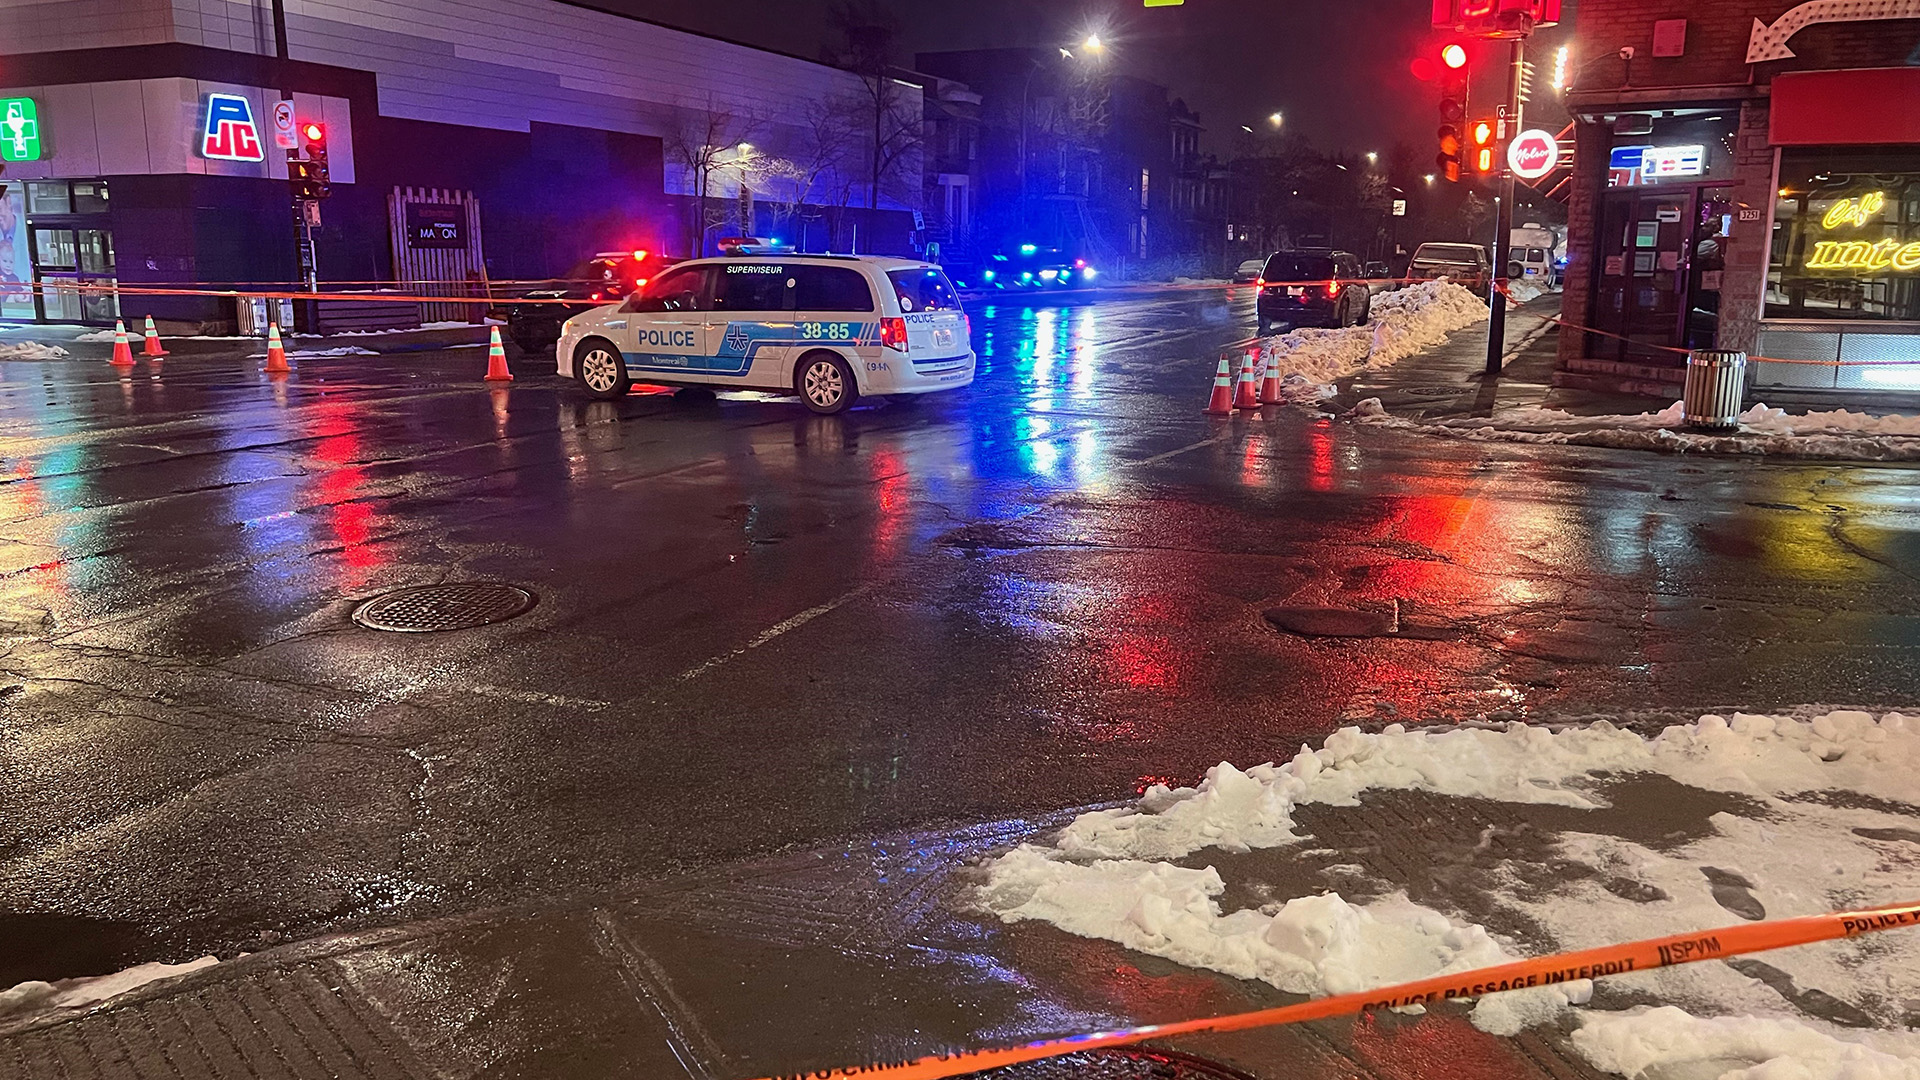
x=1404, y=322
x=81, y=993
x=1839, y=434
x=1831, y=827
x=31, y=350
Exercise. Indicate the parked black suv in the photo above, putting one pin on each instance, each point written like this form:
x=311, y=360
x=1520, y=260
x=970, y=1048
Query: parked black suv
x=1312, y=288
x=606, y=278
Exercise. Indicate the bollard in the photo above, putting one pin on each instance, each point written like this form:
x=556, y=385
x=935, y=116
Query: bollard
x=1716, y=383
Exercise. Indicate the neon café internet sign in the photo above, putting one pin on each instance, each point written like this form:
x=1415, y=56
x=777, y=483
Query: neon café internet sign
x=1872, y=257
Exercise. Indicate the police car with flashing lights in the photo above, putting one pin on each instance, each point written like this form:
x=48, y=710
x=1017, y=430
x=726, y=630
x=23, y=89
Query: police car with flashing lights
x=829, y=328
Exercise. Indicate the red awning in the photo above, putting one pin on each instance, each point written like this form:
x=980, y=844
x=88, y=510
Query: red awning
x=1846, y=108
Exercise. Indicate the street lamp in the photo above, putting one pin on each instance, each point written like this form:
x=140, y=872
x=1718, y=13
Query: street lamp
x=1429, y=179
x=1373, y=158
x=1275, y=119
x=1093, y=43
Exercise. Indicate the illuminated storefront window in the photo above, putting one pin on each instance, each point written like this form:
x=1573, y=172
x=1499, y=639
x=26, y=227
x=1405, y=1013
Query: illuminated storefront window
x=1846, y=235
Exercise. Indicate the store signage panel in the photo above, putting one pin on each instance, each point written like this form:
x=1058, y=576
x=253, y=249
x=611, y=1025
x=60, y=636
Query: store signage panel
x=19, y=129
x=229, y=133
x=1659, y=162
x=1533, y=154
x=430, y=226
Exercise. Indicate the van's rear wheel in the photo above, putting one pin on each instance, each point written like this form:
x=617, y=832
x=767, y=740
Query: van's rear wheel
x=825, y=383
x=601, y=370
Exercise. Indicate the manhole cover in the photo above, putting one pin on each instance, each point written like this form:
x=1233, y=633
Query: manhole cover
x=1116, y=1065
x=426, y=608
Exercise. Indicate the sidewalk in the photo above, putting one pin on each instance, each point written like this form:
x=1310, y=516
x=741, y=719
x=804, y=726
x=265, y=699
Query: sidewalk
x=1451, y=381
x=861, y=952
x=89, y=343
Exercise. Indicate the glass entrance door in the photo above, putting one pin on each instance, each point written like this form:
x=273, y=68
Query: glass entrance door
x=76, y=271
x=70, y=229
x=1641, y=294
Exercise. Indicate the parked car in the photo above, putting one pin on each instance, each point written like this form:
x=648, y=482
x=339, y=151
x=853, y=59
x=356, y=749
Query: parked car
x=610, y=275
x=828, y=328
x=1379, y=277
x=1312, y=288
x=1465, y=264
x=1248, y=271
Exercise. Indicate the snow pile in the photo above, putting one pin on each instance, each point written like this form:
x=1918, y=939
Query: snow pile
x=1312, y=945
x=1404, y=322
x=1839, y=434
x=310, y=354
x=80, y=993
x=31, y=350
x=1095, y=877
x=99, y=335
x=1520, y=291
x=1757, y=755
x=1670, y=1042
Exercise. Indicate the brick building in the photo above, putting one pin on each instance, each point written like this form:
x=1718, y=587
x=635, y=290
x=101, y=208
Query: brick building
x=1770, y=206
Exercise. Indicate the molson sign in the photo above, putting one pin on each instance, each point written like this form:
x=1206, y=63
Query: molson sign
x=1869, y=256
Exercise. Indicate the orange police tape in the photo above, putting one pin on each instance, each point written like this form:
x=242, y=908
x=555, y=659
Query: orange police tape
x=135, y=290
x=1520, y=975
x=1755, y=358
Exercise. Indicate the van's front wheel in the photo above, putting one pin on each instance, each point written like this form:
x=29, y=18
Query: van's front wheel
x=825, y=383
x=601, y=369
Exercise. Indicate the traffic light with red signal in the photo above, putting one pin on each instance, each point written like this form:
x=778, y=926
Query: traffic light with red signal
x=1452, y=74
x=1483, y=137
x=310, y=176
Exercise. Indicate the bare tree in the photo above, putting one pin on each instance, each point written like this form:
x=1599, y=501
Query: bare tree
x=892, y=127
x=701, y=142
x=820, y=167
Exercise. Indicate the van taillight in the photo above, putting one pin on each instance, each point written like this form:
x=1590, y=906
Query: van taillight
x=893, y=334
x=1259, y=283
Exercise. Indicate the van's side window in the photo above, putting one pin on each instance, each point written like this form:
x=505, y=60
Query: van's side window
x=755, y=286
x=830, y=288
x=685, y=289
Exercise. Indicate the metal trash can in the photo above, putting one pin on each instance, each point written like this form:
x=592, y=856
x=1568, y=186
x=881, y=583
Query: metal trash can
x=1716, y=382
x=254, y=313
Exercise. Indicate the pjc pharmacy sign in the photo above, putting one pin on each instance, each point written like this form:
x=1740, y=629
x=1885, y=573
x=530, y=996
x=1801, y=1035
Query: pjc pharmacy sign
x=230, y=133
x=19, y=129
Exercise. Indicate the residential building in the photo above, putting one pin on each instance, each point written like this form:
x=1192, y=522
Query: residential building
x=1076, y=156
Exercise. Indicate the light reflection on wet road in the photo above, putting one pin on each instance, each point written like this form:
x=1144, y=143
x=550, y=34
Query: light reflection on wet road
x=759, y=628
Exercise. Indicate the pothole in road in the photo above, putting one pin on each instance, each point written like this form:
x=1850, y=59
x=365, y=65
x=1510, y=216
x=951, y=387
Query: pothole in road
x=431, y=608
x=1123, y=1064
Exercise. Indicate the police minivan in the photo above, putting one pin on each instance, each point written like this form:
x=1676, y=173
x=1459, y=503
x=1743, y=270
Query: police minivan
x=829, y=328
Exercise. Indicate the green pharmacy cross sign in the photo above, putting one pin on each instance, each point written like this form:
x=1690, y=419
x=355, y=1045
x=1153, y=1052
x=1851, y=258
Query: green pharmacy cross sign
x=19, y=130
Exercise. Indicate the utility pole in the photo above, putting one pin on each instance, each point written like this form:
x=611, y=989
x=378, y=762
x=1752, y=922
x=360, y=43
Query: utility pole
x=1509, y=125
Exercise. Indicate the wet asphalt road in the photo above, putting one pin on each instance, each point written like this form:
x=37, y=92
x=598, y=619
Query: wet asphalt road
x=760, y=630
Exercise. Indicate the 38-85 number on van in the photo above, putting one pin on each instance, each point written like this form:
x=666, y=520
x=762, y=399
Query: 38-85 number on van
x=832, y=331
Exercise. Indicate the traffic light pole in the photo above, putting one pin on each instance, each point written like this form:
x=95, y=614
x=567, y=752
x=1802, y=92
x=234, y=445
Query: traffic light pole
x=1503, y=217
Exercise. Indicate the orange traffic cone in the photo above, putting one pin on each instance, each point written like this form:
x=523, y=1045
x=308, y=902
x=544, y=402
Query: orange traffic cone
x=1270, y=382
x=276, y=353
x=497, y=359
x=1221, y=403
x=1247, y=394
x=152, y=347
x=122, y=352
